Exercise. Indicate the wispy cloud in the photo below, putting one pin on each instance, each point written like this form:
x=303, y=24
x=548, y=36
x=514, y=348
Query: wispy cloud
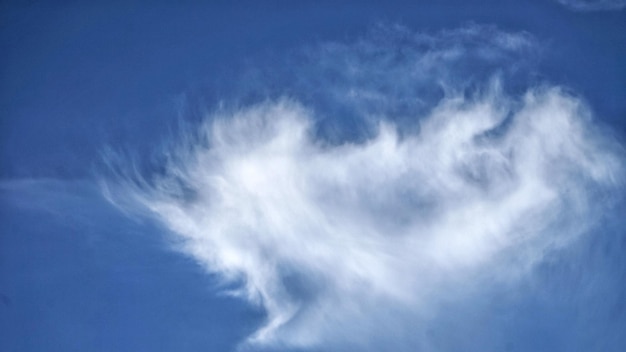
x=473, y=187
x=594, y=5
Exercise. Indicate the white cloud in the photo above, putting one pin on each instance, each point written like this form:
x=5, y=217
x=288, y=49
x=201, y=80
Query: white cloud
x=329, y=238
x=594, y=5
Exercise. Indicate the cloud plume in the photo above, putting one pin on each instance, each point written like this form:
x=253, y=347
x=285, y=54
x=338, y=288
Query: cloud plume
x=473, y=185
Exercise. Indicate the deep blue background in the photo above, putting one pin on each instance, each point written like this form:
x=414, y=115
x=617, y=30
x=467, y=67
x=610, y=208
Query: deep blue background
x=76, y=275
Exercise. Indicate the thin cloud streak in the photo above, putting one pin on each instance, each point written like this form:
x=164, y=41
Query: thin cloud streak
x=328, y=237
x=594, y=5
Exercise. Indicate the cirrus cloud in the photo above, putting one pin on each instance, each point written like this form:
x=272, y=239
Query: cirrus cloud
x=594, y=5
x=471, y=186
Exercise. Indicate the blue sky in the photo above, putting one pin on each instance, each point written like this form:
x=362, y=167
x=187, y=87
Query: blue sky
x=312, y=176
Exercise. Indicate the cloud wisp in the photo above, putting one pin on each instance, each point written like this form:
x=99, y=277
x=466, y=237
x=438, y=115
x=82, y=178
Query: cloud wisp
x=594, y=5
x=329, y=237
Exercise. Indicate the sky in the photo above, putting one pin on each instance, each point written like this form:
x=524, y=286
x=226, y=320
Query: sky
x=313, y=175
